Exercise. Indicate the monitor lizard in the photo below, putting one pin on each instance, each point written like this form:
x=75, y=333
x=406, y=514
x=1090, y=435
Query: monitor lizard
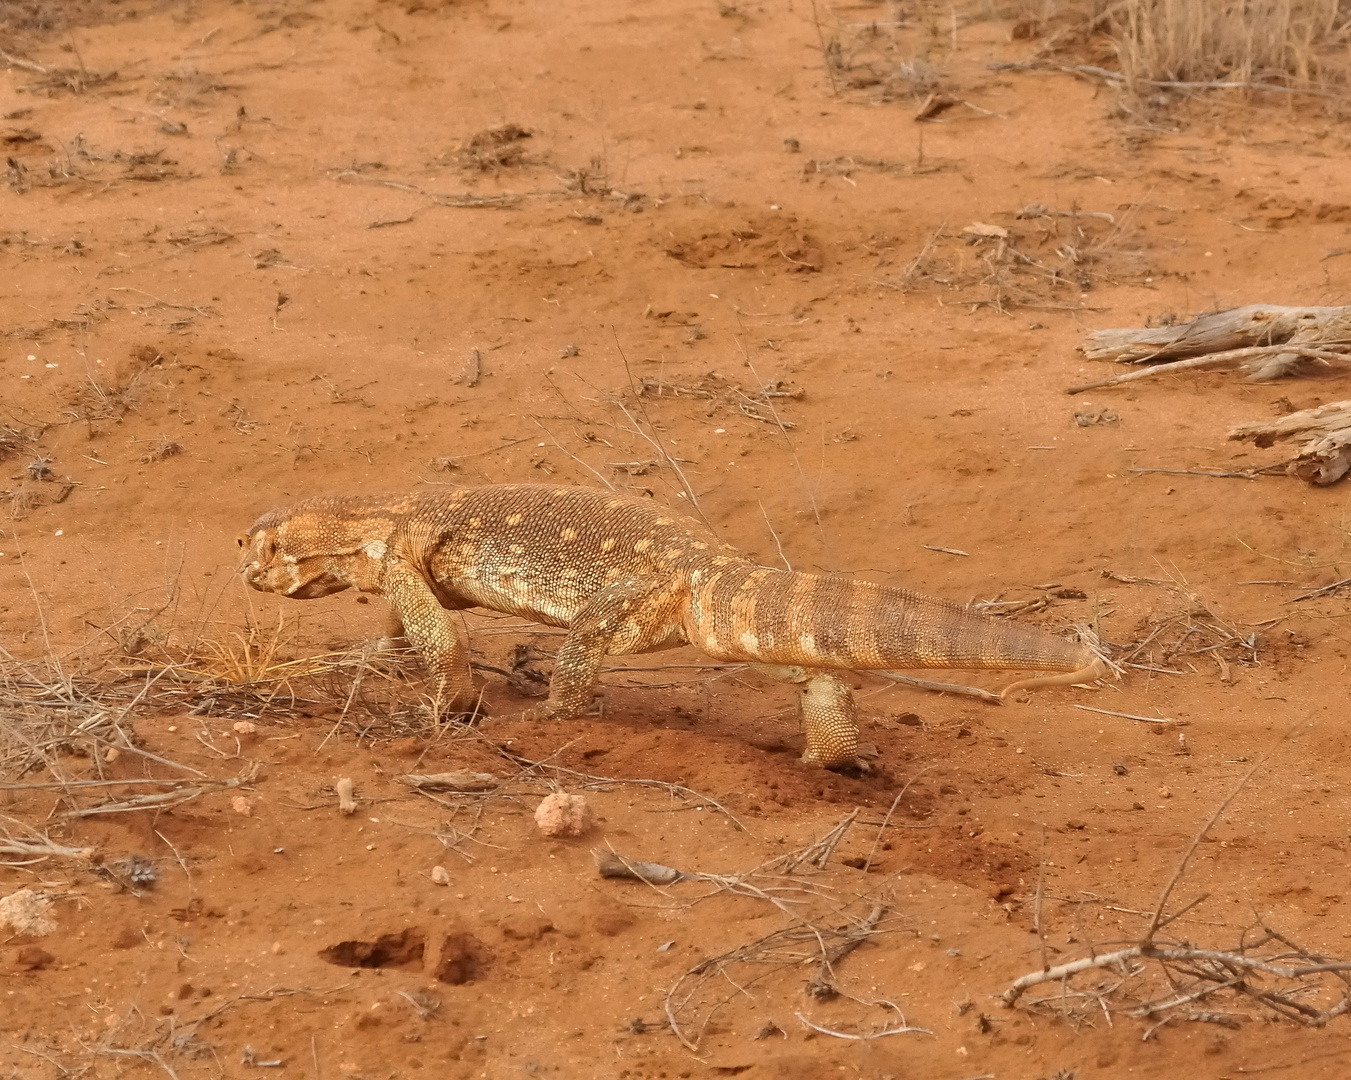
x=625, y=575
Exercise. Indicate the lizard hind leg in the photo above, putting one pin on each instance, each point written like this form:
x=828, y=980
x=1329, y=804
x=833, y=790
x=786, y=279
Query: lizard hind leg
x=828, y=714
x=630, y=616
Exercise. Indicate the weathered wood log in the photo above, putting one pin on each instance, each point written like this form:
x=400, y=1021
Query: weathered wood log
x=1237, y=328
x=1325, y=456
x=1265, y=341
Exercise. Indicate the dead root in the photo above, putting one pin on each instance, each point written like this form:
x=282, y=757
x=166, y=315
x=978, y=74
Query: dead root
x=1324, y=433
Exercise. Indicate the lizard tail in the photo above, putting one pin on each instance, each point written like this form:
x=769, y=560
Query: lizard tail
x=1098, y=669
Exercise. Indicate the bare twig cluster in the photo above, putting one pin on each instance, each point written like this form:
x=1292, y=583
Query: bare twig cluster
x=1038, y=258
x=1173, y=642
x=819, y=934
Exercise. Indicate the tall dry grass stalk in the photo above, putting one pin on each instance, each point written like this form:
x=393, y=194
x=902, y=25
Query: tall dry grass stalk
x=1285, y=42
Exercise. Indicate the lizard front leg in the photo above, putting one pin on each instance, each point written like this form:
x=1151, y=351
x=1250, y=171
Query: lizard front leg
x=829, y=716
x=627, y=617
x=435, y=633
x=393, y=639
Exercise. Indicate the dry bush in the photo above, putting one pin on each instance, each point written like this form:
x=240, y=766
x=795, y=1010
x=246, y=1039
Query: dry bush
x=1290, y=42
x=15, y=440
x=493, y=149
x=1039, y=258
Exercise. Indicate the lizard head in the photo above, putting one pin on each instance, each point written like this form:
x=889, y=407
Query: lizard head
x=318, y=547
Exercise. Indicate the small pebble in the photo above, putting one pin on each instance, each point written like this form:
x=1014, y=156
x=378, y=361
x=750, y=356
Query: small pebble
x=440, y=875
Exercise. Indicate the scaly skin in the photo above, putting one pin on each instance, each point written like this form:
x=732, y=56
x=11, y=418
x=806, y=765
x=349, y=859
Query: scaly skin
x=627, y=576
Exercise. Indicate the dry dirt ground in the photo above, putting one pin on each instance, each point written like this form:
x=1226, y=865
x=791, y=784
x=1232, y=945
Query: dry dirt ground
x=252, y=251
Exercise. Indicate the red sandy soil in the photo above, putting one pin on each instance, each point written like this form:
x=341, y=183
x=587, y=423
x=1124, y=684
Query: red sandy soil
x=247, y=253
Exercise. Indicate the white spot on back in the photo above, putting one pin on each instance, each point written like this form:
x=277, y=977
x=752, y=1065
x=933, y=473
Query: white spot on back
x=749, y=641
x=375, y=549
x=807, y=643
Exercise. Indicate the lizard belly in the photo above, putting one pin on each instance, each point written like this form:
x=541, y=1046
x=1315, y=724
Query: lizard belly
x=511, y=594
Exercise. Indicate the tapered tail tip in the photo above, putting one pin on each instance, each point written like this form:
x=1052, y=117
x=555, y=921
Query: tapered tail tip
x=1098, y=668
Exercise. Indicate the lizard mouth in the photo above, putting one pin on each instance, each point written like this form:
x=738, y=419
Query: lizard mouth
x=314, y=588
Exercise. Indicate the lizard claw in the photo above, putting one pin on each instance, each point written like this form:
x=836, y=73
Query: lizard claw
x=537, y=712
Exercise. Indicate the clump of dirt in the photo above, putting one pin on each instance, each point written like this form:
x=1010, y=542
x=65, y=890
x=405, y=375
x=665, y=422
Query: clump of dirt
x=388, y=950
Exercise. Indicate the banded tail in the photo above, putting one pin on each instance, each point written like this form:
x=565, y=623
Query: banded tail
x=745, y=612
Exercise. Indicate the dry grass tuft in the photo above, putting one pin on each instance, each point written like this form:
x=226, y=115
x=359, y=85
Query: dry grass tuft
x=1283, y=42
x=252, y=657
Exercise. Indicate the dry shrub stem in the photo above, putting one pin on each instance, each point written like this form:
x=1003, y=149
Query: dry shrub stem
x=1193, y=974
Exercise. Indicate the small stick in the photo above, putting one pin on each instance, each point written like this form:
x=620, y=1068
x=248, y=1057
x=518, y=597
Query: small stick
x=770, y=526
x=867, y=863
x=942, y=687
x=181, y=861
x=1037, y=923
x=27, y=65
x=1128, y=579
x=945, y=550
x=64, y=784
x=1201, y=472
x=611, y=864
x=346, y=792
x=874, y=1035
x=1156, y=921
x=825, y=53
x=1219, y=359
x=452, y=781
x=820, y=852
x=656, y=442
x=1323, y=591
x=14, y=846
x=475, y=369
x=668, y=667
x=865, y=930
x=1132, y=716
x=527, y=763
x=918, y=261
x=792, y=449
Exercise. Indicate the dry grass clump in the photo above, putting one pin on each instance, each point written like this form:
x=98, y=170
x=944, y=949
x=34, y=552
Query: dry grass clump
x=1286, y=42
